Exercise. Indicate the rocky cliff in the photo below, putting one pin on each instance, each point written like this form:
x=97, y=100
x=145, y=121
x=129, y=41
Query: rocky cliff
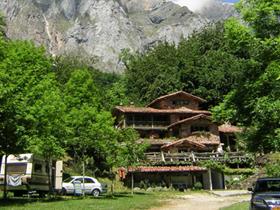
x=98, y=30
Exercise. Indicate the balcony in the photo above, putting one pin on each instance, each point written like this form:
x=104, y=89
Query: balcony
x=160, y=125
x=192, y=157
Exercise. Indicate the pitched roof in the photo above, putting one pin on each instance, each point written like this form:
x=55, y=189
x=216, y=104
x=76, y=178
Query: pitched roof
x=182, y=110
x=167, y=169
x=155, y=141
x=175, y=94
x=198, y=140
x=190, y=119
x=184, y=142
x=228, y=128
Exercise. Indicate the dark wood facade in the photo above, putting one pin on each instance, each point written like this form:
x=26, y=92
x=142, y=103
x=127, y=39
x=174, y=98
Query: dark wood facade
x=177, y=130
x=176, y=117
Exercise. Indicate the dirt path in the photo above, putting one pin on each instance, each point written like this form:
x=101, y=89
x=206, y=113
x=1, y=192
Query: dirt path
x=201, y=201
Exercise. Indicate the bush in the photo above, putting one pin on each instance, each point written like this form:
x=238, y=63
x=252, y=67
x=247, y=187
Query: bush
x=273, y=169
x=197, y=186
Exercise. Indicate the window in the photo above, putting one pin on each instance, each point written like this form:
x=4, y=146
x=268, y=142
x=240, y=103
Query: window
x=87, y=180
x=16, y=168
x=181, y=102
x=196, y=128
x=267, y=185
x=37, y=167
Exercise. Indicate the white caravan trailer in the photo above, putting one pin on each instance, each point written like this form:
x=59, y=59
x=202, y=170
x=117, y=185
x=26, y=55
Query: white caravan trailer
x=28, y=173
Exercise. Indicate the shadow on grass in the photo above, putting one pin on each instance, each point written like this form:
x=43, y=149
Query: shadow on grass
x=26, y=200
x=14, y=201
x=120, y=195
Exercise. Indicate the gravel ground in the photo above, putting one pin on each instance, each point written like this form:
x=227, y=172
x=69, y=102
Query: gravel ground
x=201, y=201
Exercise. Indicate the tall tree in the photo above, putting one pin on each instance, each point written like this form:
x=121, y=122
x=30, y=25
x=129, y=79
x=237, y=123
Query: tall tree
x=255, y=101
x=153, y=74
x=262, y=16
x=30, y=106
x=204, y=64
x=22, y=66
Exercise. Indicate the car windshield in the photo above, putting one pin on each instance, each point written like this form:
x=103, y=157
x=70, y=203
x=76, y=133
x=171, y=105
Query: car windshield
x=267, y=185
x=69, y=179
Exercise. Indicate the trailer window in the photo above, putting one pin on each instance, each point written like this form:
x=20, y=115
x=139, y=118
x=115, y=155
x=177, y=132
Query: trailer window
x=16, y=168
x=38, y=167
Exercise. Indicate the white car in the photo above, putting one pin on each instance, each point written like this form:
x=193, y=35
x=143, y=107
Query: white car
x=90, y=186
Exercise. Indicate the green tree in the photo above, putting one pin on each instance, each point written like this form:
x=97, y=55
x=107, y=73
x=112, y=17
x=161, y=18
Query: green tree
x=22, y=66
x=43, y=111
x=262, y=16
x=204, y=64
x=254, y=102
x=30, y=106
x=153, y=74
x=2, y=25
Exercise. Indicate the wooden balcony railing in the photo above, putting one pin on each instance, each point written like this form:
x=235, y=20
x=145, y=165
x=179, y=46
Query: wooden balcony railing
x=147, y=123
x=155, y=157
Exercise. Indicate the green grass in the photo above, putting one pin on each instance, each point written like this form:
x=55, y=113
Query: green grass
x=238, y=206
x=121, y=201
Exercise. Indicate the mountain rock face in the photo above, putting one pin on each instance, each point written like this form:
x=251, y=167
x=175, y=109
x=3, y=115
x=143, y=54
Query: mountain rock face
x=98, y=30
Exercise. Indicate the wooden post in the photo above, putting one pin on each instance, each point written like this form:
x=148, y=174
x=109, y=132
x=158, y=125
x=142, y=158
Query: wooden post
x=132, y=182
x=162, y=156
x=228, y=142
x=133, y=121
x=124, y=122
x=210, y=179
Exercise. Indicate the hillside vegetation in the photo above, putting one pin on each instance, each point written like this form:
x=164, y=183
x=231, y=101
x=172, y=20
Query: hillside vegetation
x=59, y=106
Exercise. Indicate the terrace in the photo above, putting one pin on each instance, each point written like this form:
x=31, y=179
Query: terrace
x=192, y=157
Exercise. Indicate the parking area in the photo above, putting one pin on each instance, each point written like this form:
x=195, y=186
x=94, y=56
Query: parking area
x=204, y=200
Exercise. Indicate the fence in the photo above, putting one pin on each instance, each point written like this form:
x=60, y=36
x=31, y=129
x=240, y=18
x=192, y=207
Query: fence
x=155, y=157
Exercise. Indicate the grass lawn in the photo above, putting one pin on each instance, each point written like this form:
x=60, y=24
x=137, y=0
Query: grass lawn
x=121, y=201
x=238, y=206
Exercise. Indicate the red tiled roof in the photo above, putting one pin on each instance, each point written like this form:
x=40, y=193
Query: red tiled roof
x=228, y=128
x=166, y=169
x=183, y=110
x=184, y=142
x=190, y=119
x=207, y=138
x=198, y=140
x=156, y=141
x=177, y=93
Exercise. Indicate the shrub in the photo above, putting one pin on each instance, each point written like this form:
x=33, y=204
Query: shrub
x=197, y=186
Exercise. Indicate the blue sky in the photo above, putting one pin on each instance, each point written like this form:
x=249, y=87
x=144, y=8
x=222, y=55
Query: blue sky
x=196, y=5
x=232, y=1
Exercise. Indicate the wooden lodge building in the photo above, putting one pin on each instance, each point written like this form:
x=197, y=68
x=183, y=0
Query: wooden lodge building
x=176, y=124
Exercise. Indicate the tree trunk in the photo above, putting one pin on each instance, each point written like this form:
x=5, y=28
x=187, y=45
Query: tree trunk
x=83, y=177
x=50, y=177
x=112, y=183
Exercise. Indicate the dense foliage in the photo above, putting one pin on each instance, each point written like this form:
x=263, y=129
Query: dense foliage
x=255, y=103
x=52, y=108
x=235, y=65
x=203, y=65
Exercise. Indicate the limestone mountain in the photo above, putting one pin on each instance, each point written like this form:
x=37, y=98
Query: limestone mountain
x=98, y=30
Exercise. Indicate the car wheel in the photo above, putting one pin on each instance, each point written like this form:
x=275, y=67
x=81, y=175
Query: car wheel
x=42, y=194
x=18, y=194
x=95, y=193
x=63, y=191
